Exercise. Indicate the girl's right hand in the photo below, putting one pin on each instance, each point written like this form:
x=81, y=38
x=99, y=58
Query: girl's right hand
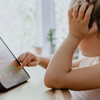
x=28, y=59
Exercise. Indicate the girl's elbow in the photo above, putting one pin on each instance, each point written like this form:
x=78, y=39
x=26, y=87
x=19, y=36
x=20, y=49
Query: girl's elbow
x=52, y=82
x=47, y=83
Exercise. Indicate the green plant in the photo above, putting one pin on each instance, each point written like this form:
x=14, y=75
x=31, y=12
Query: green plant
x=63, y=38
x=50, y=36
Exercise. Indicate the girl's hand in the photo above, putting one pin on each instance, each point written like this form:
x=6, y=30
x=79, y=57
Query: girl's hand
x=78, y=23
x=28, y=59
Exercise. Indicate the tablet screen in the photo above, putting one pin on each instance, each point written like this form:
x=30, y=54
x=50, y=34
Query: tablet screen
x=10, y=74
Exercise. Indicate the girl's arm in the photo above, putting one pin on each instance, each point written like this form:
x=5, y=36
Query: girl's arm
x=60, y=73
x=45, y=61
x=30, y=60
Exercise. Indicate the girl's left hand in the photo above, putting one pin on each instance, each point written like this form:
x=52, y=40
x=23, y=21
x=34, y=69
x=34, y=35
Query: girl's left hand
x=78, y=23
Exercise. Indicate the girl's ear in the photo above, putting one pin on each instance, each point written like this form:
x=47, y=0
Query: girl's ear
x=94, y=28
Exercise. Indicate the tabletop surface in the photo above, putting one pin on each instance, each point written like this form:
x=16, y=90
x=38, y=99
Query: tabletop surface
x=34, y=89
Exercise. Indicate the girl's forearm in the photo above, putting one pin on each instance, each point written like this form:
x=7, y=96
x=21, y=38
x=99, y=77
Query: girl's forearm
x=62, y=60
x=44, y=62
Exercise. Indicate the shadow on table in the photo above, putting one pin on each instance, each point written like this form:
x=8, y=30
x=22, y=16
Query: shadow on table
x=59, y=94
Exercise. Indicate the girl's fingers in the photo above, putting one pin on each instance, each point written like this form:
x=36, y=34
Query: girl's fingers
x=75, y=10
x=32, y=63
x=82, y=11
x=88, y=14
x=70, y=14
x=23, y=57
x=19, y=58
x=26, y=61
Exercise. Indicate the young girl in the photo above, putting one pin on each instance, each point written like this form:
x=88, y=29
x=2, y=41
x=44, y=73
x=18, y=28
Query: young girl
x=82, y=75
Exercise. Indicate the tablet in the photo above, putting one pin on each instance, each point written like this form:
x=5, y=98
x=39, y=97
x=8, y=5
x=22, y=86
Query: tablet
x=10, y=74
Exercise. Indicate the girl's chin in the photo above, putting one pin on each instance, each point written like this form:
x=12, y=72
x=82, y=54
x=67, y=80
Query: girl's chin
x=84, y=54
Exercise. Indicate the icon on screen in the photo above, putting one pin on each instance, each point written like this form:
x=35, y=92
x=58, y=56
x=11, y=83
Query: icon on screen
x=10, y=73
x=1, y=61
x=6, y=59
x=5, y=74
x=15, y=72
x=18, y=71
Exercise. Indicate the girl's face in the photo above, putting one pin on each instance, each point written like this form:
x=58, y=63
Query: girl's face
x=89, y=46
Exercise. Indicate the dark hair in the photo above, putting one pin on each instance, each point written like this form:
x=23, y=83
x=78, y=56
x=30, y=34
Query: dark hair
x=95, y=16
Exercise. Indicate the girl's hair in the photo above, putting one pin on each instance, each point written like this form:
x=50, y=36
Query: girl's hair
x=95, y=16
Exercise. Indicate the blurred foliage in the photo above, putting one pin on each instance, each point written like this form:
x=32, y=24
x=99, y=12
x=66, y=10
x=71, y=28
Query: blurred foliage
x=61, y=18
x=18, y=24
x=28, y=18
x=51, y=35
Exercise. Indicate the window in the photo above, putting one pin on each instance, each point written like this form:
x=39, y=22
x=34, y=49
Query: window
x=61, y=18
x=18, y=24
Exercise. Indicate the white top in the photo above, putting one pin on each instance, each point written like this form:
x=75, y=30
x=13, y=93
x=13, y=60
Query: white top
x=88, y=94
